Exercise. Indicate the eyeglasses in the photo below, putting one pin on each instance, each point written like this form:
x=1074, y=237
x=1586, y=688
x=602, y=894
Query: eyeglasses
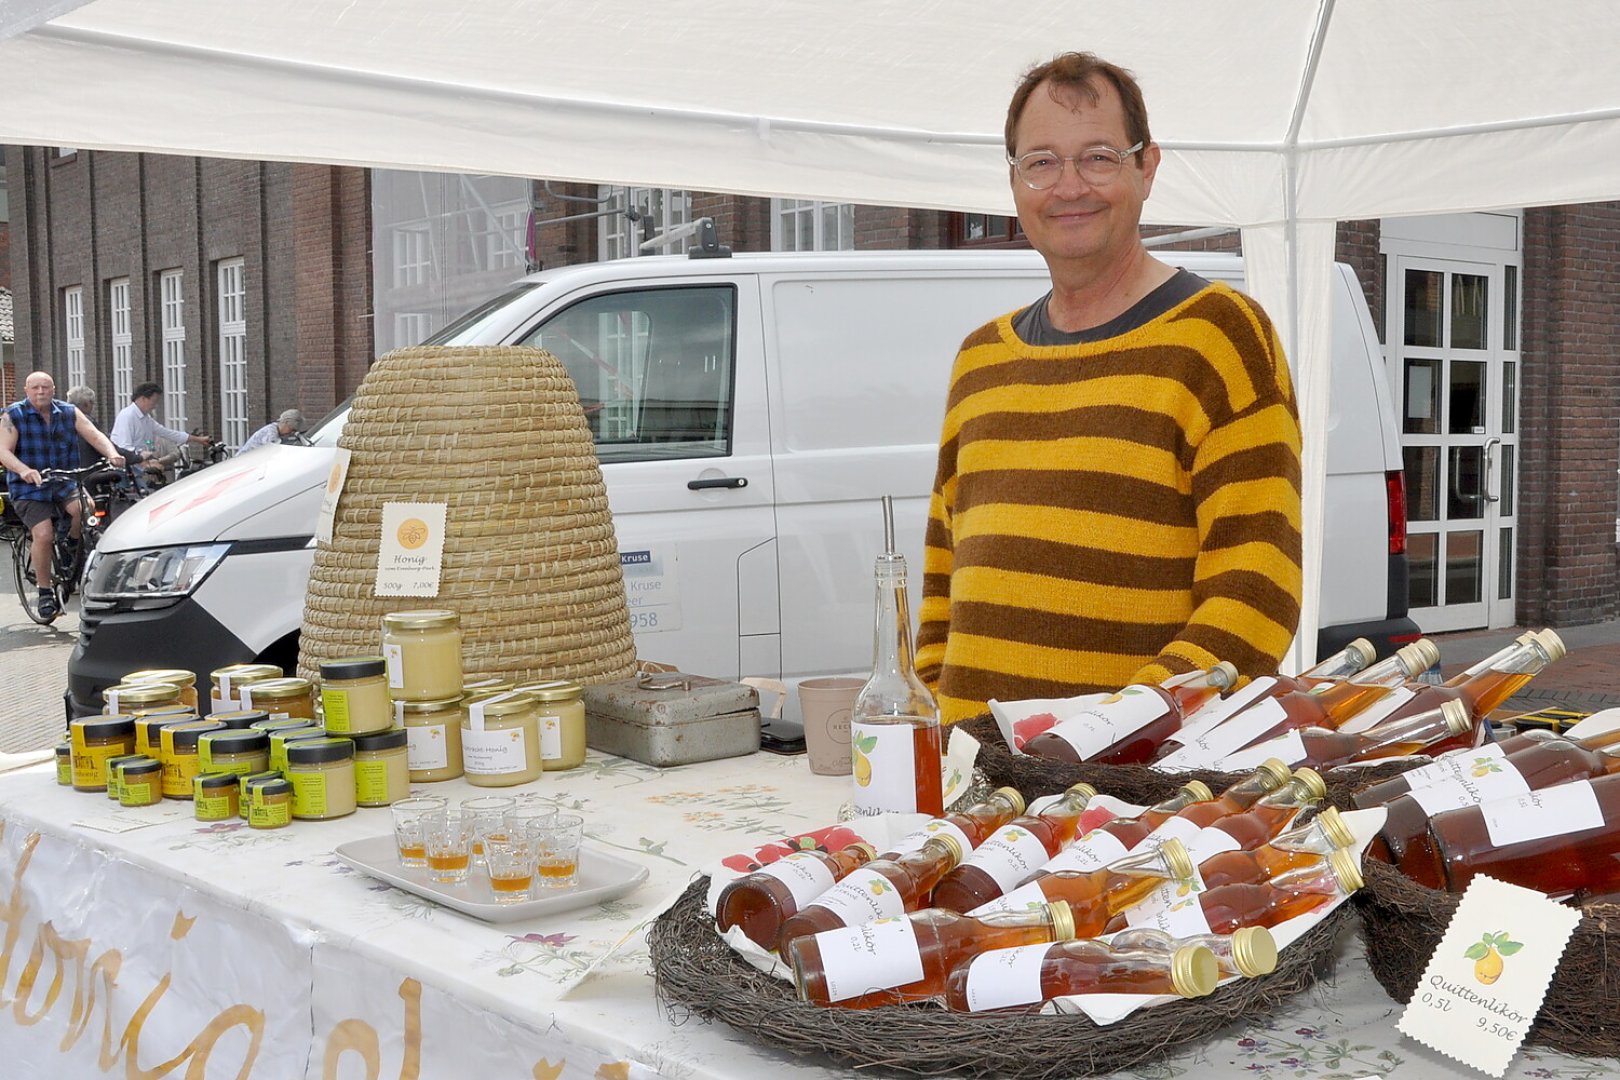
x=1040, y=169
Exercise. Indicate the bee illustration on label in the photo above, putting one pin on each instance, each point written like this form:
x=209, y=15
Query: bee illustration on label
x=1487, y=955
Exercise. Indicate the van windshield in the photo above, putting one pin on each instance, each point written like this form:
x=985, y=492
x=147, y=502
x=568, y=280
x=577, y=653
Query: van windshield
x=470, y=328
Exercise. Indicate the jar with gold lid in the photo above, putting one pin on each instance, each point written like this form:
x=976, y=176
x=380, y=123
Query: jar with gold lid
x=283, y=699
x=95, y=739
x=382, y=774
x=130, y=697
x=185, y=680
x=224, y=681
x=423, y=654
x=562, y=724
x=500, y=740
x=484, y=685
x=140, y=782
x=270, y=805
x=354, y=695
x=321, y=772
x=177, y=749
x=432, y=738
x=218, y=796
x=148, y=725
x=235, y=751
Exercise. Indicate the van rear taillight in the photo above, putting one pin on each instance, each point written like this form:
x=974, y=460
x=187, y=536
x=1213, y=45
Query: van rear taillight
x=1395, y=488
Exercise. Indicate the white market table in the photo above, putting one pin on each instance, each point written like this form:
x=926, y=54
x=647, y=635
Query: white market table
x=145, y=940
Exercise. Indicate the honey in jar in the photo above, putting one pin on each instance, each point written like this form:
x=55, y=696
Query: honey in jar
x=432, y=738
x=284, y=699
x=354, y=695
x=95, y=739
x=223, y=696
x=185, y=680
x=422, y=651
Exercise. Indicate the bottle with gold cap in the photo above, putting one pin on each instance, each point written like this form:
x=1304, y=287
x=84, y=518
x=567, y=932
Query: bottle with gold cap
x=882, y=889
x=1249, y=951
x=1014, y=853
x=1271, y=776
x=1114, y=839
x=1020, y=979
x=1492, y=681
x=1417, y=733
x=1128, y=727
x=761, y=902
x=911, y=958
x=971, y=827
x=1266, y=818
x=1300, y=846
x=1096, y=896
x=1225, y=909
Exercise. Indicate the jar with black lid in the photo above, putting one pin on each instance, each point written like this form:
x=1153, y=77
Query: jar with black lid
x=382, y=773
x=140, y=782
x=95, y=739
x=238, y=719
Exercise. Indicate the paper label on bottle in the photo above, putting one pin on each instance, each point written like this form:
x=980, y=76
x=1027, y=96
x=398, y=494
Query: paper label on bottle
x=885, y=768
x=1097, y=727
x=1488, y=976
x=1184, y=917
x=914, y=840
x=493, y=753
x=1378, y=711
x=1555, y=811
x=1210, y=748
x=1288, y=747
x=1027, y=897
x=805, y=876
x=1450, y=765
x=1166, y=896
x=1010, y=856
x=863, y=896
x=426, y=748
x=1002, y=978
x=394, y=658
x=1208, y=843
x=550, y=738
x=1175, y=828
x=1216, y=710
x=1092, y=852
x=876, y=956
x=1479, y=779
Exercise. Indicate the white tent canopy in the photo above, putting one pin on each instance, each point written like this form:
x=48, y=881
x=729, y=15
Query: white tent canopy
x=1276, y=116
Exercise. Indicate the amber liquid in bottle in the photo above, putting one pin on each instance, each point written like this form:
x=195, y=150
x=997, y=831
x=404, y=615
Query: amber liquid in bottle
x=1272, y=814
x=1457, y=845
x=972, y=884
x=911, y=877
x=1392, y=738
x=1332, y=704
x=1096, y=896
x=1390, y=790
x=762, y=901
x=1249, y=953
x=1077, y=967
x=1489, y=683
x=944, y=939
x=1239, y=797
x=1231, y=907
x=1177, y=697
x=975, y=824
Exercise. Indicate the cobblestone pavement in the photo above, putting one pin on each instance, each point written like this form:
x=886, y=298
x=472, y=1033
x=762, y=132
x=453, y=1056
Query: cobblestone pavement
x=34, y=661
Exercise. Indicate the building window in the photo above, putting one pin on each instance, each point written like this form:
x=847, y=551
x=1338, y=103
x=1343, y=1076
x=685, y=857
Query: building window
x=620, y=238
x=123, y=353
x=986, y=230
x=172, y=321
x=806, y=225
x=506, y=240
x=233, y=396
x=410, y=328
x=412, y=255
x=73, y=322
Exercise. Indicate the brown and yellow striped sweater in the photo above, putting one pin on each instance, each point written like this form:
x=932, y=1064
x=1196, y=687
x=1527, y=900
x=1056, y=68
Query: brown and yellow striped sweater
x=1113, y=512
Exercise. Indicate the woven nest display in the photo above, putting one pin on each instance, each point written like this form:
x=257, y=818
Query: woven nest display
x=1402, y=923
x=530, y=559
x=1036, y=776
x=698, y=973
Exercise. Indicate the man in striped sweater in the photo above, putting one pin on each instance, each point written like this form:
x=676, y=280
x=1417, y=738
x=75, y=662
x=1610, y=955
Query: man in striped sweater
x=1118, y=492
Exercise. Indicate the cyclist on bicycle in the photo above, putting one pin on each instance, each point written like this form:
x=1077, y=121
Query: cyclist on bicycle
x=36, y=433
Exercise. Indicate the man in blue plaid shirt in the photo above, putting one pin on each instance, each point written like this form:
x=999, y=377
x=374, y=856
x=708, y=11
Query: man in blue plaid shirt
x=40, y=433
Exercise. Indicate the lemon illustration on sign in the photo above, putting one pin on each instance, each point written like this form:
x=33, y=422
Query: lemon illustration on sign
x=412, y=533
x=1484, y=765
x=860, y=747
x=1487, y=955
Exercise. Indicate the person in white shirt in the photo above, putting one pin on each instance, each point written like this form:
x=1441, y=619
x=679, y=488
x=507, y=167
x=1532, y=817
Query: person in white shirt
x=135, y=427
x=284, y=425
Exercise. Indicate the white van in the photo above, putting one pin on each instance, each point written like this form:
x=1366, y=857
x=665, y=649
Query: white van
x=749, y=412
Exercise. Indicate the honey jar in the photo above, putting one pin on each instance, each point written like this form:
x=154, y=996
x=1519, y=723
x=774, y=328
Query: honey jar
x=270, y=805
x=140, y=782
x=354, y=695
x=95, y=739
x=382, y=774
x=241, y=719
x=562, y=725
x=185, y=680
x=142, y=697
x=239, y=752
x=321, y=772
x=283, y=699
x=217, y=796
x=177, y=749
x=223, y=695
x=500, y=740
x=423, y=654
x=432, y=738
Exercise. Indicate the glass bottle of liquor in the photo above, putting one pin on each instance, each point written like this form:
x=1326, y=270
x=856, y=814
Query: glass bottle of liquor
x=1301, y=846
x=1486, y=763
x=1558, y=840
x=1015, y=852
x=1268, y=817
x=1344, y=664
x=1493, y=680
x=1414, y=734
x=1096, y=896
x=1271, y=776
x=882, y=889
x=1128, y=727
x=895, y=736
x=1225, y=909
x=1249, y=951
x=1114, y=839
x=910, y=958
x=1019, y=980
x=971, y=827
x=762, y=901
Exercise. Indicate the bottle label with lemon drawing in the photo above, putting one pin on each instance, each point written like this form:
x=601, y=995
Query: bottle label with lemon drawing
x=1478, y=778
x=885, y=768
x=863, y=896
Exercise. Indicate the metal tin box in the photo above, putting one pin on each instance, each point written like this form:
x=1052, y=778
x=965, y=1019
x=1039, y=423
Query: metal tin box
x=672, y=719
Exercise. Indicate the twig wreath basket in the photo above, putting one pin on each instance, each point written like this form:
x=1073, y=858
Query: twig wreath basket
x=530, y=559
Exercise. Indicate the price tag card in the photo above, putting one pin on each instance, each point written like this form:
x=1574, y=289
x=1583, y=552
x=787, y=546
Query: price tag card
x=1485, y=983
x=334, y=489
x=412, y=551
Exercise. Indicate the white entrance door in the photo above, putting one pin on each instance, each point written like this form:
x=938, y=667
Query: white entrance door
x=1454, y=352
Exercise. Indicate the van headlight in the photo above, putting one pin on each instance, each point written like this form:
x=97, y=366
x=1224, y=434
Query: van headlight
x=167, y=573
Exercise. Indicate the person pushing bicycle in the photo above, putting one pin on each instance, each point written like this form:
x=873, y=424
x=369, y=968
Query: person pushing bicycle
x=38, y=433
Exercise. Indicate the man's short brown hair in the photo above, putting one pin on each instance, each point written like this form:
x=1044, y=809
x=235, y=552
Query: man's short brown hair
x=1076, y=72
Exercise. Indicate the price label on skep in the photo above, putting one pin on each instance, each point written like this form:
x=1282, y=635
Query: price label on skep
x=411, y=555
x=1486, y=981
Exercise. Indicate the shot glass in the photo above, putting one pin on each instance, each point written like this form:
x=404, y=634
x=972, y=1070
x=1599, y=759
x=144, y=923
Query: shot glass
x=447, y=837
x=557, y=851
x=408, y=814
x=489, y=812
x=518, y=820
x=509, y=859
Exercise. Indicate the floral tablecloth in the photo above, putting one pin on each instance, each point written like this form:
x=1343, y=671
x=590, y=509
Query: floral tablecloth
x=144, y=935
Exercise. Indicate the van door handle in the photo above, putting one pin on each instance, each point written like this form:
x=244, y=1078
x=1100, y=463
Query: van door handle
x=1490, y=470
x=717, y=482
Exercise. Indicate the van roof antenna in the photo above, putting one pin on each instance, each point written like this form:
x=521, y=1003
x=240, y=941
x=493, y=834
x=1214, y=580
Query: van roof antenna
x=709, y=246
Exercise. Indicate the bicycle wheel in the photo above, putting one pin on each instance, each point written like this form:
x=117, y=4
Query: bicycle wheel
x=22, y=568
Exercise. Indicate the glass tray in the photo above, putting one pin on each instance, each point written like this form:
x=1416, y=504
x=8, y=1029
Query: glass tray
x=601, y=877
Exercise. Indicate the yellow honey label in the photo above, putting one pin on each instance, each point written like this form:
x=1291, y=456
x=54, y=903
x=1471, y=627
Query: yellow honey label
x=268, y=815
x=90, y=765
x=371, y=781
x=64, y=770
x=214, y=808
x=336, y=704
x=179, y=770
x=309, y=794
x=139, y=793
